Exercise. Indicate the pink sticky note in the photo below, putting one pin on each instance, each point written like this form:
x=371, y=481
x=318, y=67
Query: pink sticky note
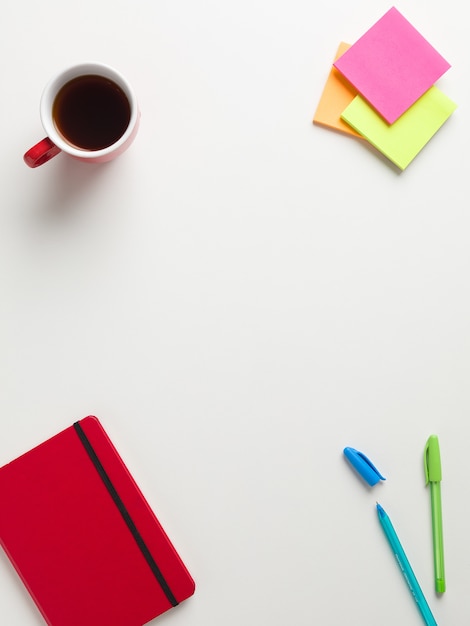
x=392, y=65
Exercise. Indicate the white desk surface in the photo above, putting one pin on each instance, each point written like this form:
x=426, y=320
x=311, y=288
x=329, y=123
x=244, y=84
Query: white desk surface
x=241, y=295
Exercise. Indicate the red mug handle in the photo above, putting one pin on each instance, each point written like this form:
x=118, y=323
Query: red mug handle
x=41, y=153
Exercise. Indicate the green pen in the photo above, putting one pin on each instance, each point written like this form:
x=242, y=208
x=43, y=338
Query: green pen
x=433, y=474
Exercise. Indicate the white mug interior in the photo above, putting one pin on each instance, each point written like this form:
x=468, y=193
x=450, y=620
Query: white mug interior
x=53, y=87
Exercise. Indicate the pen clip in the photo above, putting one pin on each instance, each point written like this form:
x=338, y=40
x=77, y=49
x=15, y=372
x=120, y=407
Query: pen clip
x=432, y=460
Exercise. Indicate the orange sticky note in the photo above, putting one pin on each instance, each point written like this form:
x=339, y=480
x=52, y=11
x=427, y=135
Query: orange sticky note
x=337, y=95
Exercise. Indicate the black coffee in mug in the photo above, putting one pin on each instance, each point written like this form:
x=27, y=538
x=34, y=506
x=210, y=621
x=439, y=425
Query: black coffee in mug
x=91, y=112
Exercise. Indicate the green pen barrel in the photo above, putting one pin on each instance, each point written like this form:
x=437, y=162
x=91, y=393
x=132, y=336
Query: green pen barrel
x=437, y=537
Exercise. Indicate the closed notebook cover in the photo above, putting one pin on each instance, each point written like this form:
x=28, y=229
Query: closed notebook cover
x=83, y=538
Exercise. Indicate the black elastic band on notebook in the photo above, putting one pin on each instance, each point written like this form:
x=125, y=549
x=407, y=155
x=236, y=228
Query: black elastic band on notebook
x=125, y=514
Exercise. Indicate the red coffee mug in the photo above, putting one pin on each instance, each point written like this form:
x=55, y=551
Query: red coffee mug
x=89, y=105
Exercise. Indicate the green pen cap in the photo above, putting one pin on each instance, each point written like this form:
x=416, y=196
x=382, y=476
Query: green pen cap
x=432, y=460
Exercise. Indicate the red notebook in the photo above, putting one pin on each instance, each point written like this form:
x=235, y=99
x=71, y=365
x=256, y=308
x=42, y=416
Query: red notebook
x=82, y=537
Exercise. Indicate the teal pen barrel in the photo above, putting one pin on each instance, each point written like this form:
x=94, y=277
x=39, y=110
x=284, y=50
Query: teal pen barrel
x=437, y=537
x=405, y=567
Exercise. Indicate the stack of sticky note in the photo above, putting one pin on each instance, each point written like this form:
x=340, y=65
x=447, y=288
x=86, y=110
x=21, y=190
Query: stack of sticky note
x=382, y=88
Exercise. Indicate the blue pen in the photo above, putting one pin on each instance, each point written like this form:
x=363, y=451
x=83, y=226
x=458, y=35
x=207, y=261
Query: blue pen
x=405, y=567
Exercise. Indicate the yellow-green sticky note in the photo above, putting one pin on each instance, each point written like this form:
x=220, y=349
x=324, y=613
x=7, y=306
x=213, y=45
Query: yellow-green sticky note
x=401, y=141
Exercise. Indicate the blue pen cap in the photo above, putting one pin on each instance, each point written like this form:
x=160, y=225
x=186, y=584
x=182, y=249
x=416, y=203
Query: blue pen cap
x=363, y=466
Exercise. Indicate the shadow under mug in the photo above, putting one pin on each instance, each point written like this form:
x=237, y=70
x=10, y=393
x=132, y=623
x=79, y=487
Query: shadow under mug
x=94, y=109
